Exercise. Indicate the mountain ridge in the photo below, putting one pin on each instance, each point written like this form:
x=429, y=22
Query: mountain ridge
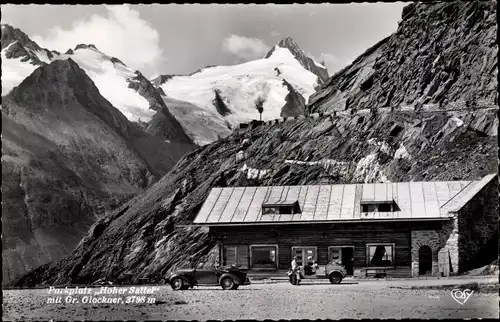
x=127, y=90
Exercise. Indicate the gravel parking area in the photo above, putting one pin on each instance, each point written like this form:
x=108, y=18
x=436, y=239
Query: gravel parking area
x=351, y=299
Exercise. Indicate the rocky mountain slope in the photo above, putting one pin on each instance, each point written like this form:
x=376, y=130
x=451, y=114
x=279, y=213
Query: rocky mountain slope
x=443, y=56
x=68, y=155
x=285, y=71
x=142, y=238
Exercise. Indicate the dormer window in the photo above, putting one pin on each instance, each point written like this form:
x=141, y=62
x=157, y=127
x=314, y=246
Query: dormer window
x=379, y=206
x=281, y=208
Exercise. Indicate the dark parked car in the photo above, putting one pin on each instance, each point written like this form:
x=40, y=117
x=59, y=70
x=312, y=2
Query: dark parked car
x=228, y=277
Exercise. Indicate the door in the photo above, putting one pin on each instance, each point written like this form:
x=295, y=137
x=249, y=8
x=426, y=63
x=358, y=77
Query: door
x=206, y=276
x=347, y=259
x=305, y=255
x=424, y=260
x=344, y=255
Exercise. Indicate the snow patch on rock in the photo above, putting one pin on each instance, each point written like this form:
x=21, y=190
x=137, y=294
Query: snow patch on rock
x=382, y=145
x=331, y=166
x=368, y=170
x=241, y=155
x=253, y=173
x=458, y=122
x=401, y=153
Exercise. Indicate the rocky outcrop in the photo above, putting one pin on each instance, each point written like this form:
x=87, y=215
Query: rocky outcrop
x=302, y=58
x=68, y=158
x=115, y=60
x=157, y=81
x=163, y=124
x=219, y=104
x=295, y=103
x=21, y=46
x=84, y=46
x=141, y=239
x=442, y=56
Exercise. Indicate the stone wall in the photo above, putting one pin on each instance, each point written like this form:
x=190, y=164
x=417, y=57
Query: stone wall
x=421, y=238
x=449, y=239
x=444, y=241
x=477, y=225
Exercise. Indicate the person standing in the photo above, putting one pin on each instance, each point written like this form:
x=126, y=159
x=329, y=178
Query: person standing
x=296, y=269
x=314, y=267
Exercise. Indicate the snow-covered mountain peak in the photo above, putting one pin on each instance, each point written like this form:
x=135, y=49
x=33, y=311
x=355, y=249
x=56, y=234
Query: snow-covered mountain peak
x=237, y=88
x=306, y=61
x=21, y=56
x=112, y=78
x=289, y=43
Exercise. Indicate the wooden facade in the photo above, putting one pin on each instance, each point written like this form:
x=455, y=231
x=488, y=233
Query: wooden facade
x=320, y=238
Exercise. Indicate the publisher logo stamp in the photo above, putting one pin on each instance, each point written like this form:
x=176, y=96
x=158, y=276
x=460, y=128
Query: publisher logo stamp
x=461, y=296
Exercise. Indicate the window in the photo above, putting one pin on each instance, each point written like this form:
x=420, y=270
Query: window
x=379, y=207
x=278, y=210
x=369, y=208
x=270, y=211
x=235, y=255
x=230, y=255
x=288, y=208
x=380, y=255
x=305, y=255
x=264, y=256
x=385, y=207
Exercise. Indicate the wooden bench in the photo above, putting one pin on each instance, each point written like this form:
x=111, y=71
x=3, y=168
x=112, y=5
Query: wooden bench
x=382, y=272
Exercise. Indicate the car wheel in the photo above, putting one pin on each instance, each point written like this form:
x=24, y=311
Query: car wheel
x=335, y=278
x=177, y=284
x=227, y=283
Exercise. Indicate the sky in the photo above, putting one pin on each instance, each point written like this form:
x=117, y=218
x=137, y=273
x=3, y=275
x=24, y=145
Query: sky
x=182, y=38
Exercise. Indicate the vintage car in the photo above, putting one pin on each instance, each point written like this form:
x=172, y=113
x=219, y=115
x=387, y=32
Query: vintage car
x=228, y=277
x=335, y=272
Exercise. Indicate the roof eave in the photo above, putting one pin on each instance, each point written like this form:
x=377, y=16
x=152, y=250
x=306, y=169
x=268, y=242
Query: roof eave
x=262, y=223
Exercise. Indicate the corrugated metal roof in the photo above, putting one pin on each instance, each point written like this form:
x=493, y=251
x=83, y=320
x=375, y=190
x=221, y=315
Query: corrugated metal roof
x=325, y=203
